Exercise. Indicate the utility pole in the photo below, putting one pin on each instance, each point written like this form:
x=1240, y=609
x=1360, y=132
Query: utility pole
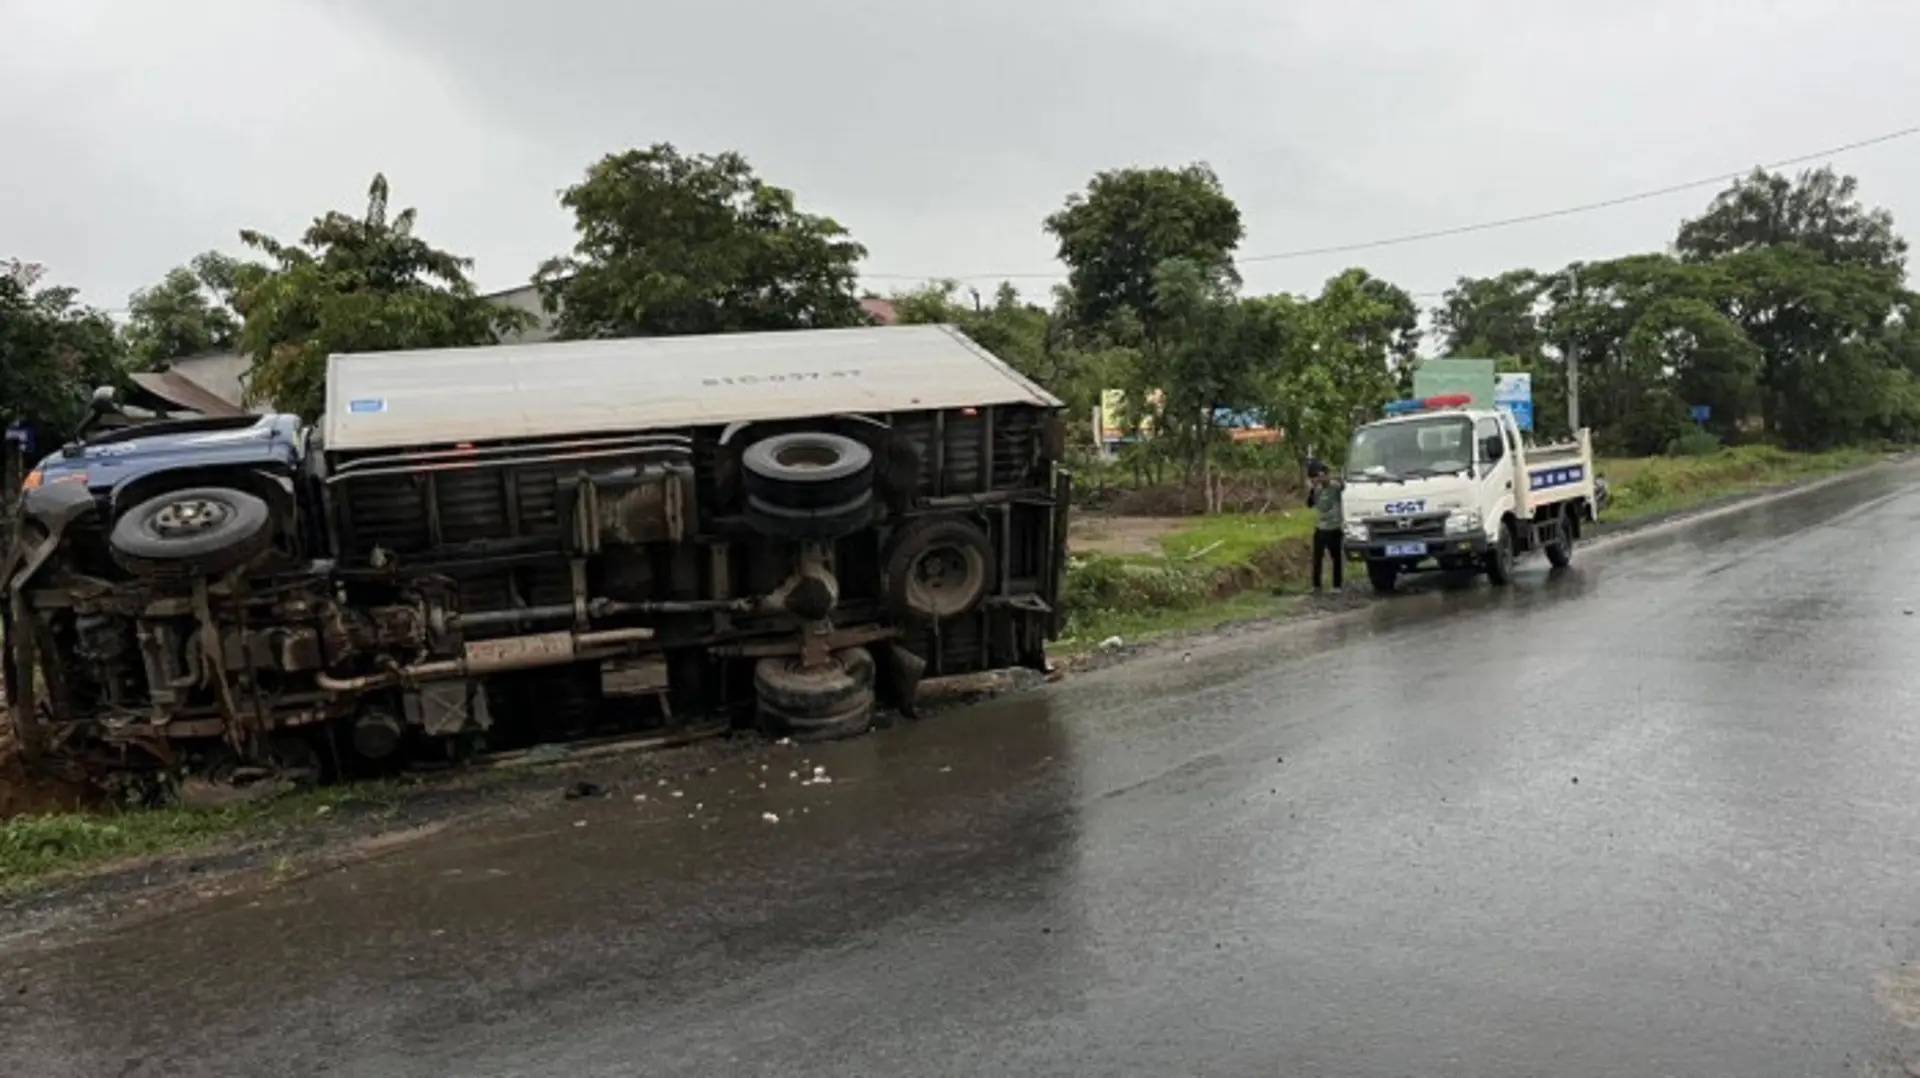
x=1573, y=360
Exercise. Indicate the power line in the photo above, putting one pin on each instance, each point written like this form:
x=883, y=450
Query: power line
x=1480, y=226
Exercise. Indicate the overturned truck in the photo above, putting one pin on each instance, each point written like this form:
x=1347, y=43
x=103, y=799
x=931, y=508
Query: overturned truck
x=498, y=546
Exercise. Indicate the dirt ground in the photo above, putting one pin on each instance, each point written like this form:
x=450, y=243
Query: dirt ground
x=1090, y=533
x=21, y=794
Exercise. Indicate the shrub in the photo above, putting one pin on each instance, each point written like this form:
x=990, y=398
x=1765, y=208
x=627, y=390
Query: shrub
x=1694, y=443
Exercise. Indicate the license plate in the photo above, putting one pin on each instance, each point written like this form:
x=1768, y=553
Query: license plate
x=1406, y=550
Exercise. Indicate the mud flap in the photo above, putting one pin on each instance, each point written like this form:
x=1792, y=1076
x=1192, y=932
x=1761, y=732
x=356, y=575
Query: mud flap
x=898, y=678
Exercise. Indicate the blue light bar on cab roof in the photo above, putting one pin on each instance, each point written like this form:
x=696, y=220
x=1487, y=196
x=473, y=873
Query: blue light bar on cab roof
x=1425, y=404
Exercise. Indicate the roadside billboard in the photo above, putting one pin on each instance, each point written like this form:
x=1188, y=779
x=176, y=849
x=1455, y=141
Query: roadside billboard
x=1514, y=392
x=1455, y=377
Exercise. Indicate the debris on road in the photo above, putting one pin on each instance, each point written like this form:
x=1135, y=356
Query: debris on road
x=770, y=817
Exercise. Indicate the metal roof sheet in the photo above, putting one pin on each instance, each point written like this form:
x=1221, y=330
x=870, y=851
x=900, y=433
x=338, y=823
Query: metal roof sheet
x=385, y=400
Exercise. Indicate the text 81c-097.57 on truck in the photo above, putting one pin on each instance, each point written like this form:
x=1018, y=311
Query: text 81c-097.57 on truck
x=1439, y=485
x=497, y=546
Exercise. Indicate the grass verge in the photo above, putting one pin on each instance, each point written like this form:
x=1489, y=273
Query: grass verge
x=1231, y=568
x=32, y=847
x=1649, y=486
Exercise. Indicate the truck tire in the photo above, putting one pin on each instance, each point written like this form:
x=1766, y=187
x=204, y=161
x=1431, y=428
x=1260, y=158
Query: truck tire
x=1560, y=547
x=829, y=701
x=1383, y=575
x=828, y=522
x=936, y=570
x=807, y=470
x=1500, y=559
x=783, y=684
x=851, y=721
x=204, y=530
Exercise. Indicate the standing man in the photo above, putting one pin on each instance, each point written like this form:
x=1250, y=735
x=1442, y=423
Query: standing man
x=1324, y=497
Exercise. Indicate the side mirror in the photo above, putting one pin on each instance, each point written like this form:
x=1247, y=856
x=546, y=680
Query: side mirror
x=1492, y=448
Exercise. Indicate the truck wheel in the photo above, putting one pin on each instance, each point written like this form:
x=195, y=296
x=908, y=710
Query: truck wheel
x=206, y=530
x=827, y=522
x=1560, y=549
x=807, y=470
x=1500, y=559
x=937, y=569
x=783, y=684
x=832, y=700
x=1383, y=575
x=851, y=721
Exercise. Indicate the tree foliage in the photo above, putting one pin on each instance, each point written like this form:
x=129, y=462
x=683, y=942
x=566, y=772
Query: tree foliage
x=189, y=312
x=1116, y=236
x=53, y=352
x=1034, y=340
x=670, y=243
x=354, y=283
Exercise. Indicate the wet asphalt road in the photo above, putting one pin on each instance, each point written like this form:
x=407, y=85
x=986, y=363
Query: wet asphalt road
x=1654, y=816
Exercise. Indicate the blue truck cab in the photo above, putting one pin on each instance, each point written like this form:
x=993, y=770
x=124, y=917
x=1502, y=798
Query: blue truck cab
x=132, y=469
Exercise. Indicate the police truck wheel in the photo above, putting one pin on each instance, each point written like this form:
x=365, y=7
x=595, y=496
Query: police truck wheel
x=1560, y=548
x=1383, y=575
x=1500, y=559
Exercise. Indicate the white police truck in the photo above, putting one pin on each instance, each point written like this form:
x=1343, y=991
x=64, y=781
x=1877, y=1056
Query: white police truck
x=1439, y=484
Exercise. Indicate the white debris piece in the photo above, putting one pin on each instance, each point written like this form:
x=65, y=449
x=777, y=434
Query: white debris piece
x=637, y=798
x=823, y=781
x=770, y=817
x=784, y=741
x=793, y=774
x=819, y=771
x=1110, y=643
x=679, y=793
x=579, y=823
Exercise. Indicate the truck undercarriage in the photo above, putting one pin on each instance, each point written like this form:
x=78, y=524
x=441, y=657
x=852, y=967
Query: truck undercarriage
x=371, y=608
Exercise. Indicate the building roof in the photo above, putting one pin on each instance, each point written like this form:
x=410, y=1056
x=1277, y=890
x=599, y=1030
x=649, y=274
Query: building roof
x=172, y=387
x=386, y=400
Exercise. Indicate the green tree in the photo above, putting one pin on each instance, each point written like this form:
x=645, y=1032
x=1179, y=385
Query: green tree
x=1116, y=235
x=1819, y=210
x=1813, y=271
x=1493, y=316
x=189, y=313
x=1704, y=358
x=355, y=283
x=1213, y=353
x=1813, y=320
x=53, y=352
x=670, y=243
x=1034, y=340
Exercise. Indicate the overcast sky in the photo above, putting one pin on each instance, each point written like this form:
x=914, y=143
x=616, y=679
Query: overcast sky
x=135, y=133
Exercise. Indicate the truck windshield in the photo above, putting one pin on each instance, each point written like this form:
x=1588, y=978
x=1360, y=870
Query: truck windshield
x=1442, y=445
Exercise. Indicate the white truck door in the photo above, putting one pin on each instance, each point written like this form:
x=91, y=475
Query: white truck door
x=1495, y=469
